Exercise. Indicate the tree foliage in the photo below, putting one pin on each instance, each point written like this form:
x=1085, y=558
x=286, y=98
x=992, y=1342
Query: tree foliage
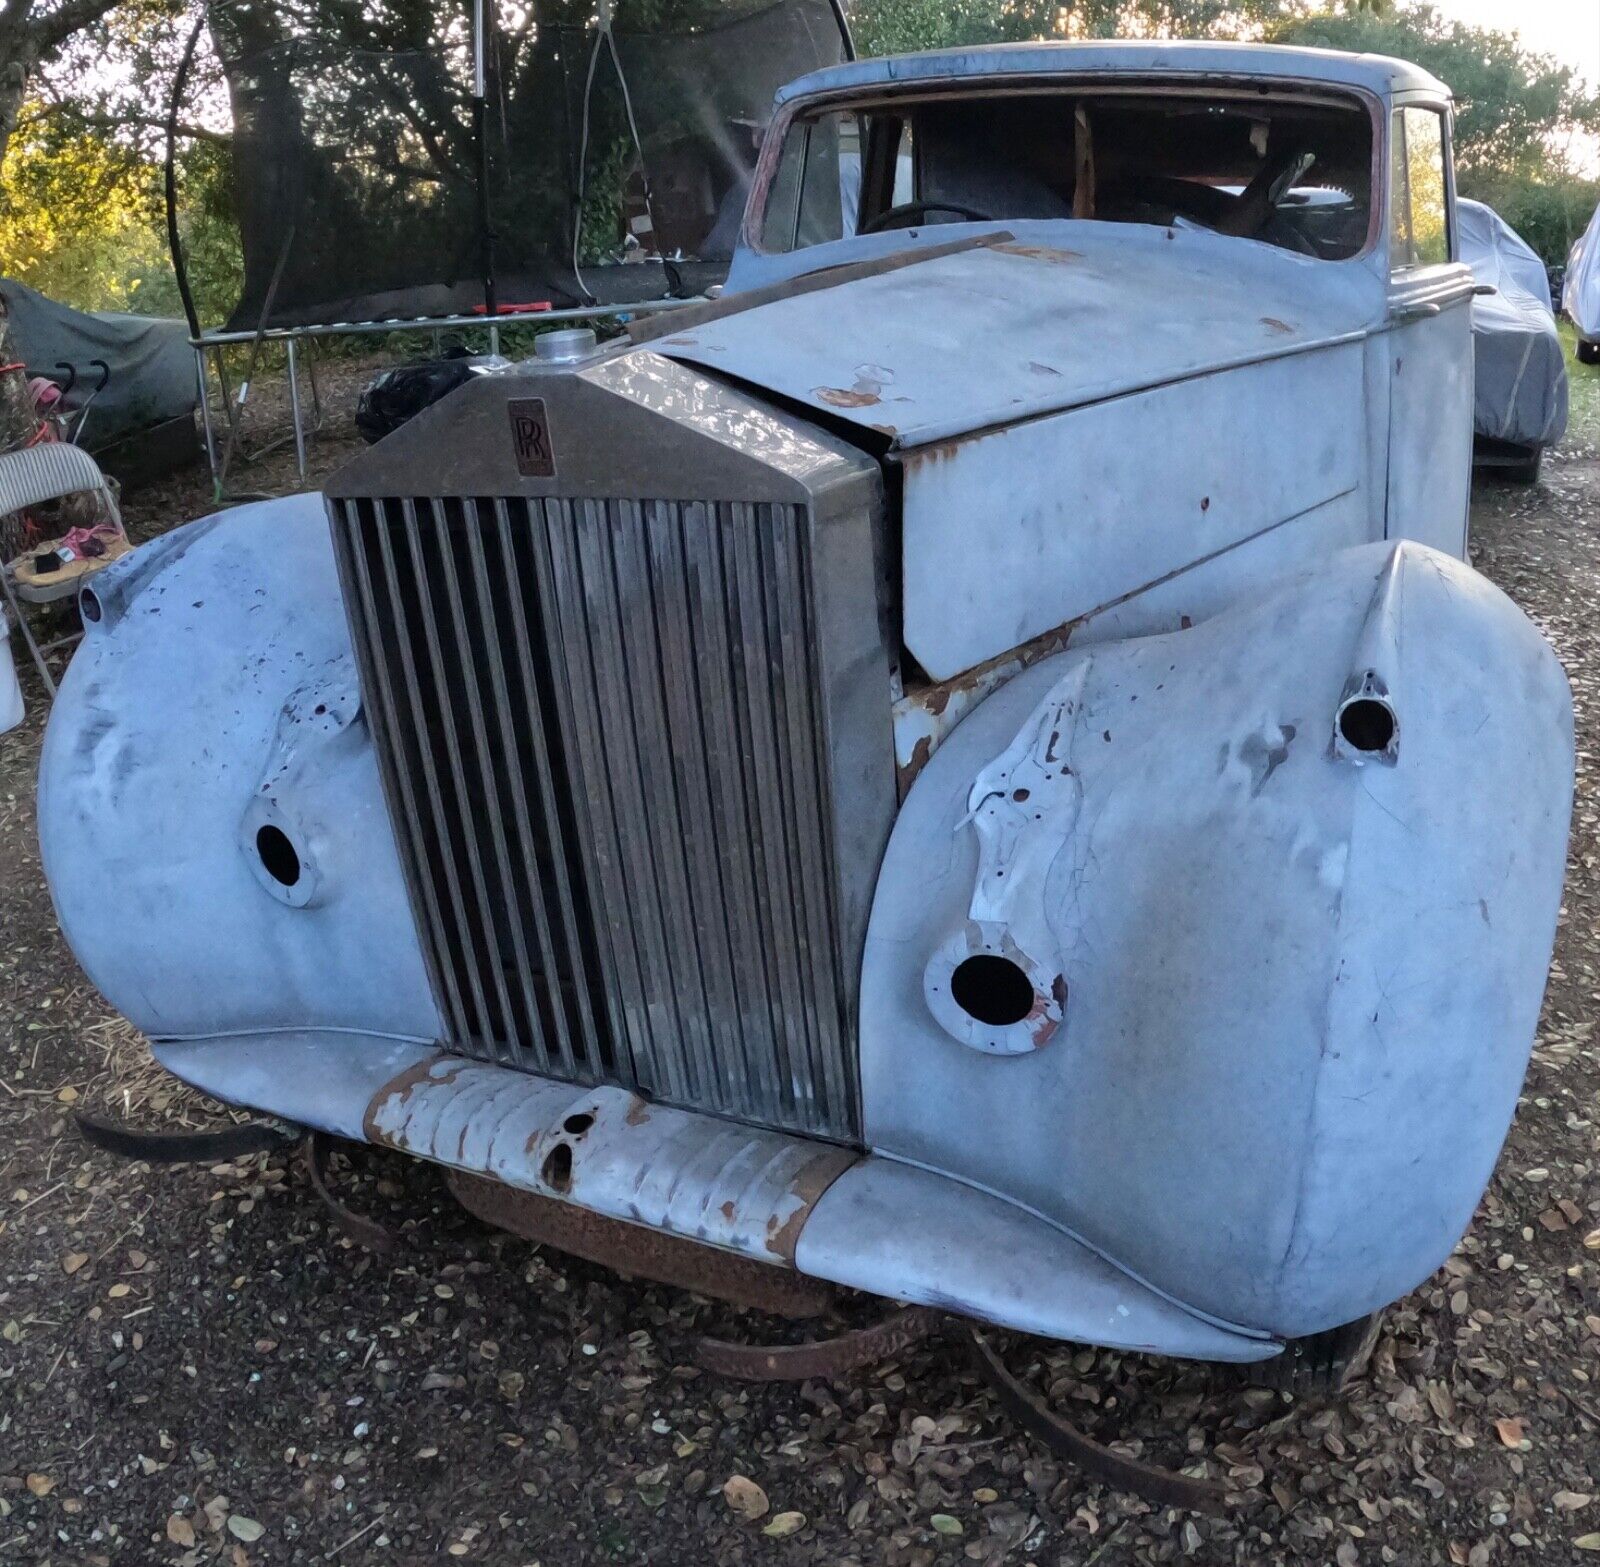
x=1519, y=115
x=1526, y=125
x=898, y=26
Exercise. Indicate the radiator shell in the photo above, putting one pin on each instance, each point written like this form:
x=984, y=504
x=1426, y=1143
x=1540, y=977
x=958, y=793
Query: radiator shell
x=631, y=701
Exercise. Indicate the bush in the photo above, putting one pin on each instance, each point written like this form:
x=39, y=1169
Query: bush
x=1549, y=216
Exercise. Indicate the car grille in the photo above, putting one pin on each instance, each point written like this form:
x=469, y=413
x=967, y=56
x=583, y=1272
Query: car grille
x=602, y=743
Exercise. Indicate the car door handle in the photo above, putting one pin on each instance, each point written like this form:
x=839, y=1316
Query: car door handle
x=1419, y=311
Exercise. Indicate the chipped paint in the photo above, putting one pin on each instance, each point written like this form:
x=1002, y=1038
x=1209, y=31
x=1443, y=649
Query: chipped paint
x=925, y=714
x=866, y=392
x=1052, y=254
x=838, y=397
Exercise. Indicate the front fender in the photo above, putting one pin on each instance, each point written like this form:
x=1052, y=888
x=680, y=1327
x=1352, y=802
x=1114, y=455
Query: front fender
x=1277, y=992
x=211, y=820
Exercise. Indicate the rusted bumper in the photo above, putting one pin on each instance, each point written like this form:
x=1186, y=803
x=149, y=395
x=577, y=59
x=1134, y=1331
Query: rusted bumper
x=786, y=1202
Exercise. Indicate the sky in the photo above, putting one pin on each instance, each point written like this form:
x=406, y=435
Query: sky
x=1568, y=29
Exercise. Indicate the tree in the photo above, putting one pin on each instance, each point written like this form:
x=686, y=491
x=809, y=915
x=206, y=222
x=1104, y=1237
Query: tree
x=31, y=31
x=1524, y=122
x=1519, y=115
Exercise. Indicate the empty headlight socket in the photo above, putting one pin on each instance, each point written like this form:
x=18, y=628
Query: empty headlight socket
x=280, y=856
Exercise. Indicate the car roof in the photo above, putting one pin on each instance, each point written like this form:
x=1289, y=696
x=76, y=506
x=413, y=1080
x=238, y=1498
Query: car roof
x=1376, y=73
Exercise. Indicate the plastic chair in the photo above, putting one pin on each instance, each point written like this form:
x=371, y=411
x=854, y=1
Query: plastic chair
x=45, y=473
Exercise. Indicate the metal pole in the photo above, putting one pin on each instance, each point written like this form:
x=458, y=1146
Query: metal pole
x=294, y=409
x=205, y=414
x=482, y=31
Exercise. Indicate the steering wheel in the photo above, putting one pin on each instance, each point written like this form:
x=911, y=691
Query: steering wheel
x=908, y=212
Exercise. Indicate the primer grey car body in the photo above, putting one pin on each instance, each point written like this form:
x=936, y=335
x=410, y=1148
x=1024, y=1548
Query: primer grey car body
x=944, y=771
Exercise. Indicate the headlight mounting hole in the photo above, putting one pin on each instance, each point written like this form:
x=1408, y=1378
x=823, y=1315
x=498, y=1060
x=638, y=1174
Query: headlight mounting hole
x=992, y=989
x=279, y=858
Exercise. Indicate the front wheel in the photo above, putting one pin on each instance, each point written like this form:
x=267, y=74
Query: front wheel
x=1526, y=471
x=1588, y=353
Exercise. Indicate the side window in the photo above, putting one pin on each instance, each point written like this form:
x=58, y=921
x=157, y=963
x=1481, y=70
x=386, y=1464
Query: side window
x=905, y=181
x=816, y=188
x=1418, y=207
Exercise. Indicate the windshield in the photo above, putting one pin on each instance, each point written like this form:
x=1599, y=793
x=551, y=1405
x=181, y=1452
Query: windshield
x=1293, y=172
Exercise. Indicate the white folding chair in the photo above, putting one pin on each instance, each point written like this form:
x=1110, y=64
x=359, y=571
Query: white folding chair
x=28, y=477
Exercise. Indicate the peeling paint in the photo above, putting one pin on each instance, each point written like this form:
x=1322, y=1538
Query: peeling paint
x=927, y=713
x=838, y=397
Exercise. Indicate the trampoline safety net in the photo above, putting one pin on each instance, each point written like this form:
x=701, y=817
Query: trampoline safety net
x=361, y=185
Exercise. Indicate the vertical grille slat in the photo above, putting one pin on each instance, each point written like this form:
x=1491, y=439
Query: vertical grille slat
x=601, y=729
x=480, y=915
x=376, y=659
x=417, y=724
x=500, y=793
x=577, y=1035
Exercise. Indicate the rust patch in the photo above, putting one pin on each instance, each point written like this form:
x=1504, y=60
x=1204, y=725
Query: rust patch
x=638, y=1112
x=828, y=1359
x=1049, y=253
x=820, y=1172
x=934, y=700
x=920, y=752
x=1274, y=324
x=1041, y=1026
x=400, y=1090
x=838, y=397
x=934, y=452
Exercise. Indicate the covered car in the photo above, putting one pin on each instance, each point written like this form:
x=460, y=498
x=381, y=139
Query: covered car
x=142, y=419
x=1520, y=383
x=1580, y=291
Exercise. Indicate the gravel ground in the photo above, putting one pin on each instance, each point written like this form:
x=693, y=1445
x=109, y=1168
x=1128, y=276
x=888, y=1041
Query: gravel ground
x=196, y=1367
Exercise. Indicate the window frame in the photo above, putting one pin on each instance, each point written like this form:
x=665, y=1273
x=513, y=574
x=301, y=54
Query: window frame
x=1398, y=139
x=893, y=99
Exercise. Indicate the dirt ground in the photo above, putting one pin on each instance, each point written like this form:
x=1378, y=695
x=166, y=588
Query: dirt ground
x=195, y=1366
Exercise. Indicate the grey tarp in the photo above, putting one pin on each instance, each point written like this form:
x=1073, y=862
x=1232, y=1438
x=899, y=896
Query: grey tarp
x=152, y=365
x=1580, y=294
x=1521, y=372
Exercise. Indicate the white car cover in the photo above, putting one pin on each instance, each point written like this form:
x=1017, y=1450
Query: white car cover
x=1580, y=295
x=1521, y=373
x=11, y=709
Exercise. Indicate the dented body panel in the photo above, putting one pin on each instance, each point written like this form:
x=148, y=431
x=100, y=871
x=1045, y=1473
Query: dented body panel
x=972, y=768
x=1271, y=1084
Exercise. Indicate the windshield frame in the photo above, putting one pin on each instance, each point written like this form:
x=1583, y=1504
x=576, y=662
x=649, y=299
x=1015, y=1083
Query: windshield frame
x=1098, y=84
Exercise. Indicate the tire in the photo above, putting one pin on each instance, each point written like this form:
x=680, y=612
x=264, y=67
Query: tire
x=1588, y=353
x=1527, y=470
x=1320, y=1365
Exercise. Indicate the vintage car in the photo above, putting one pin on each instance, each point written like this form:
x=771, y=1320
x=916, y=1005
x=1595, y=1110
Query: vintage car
x=1520, y=392
x=971, y=768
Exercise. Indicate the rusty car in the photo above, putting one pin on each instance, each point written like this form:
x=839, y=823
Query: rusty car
x=972, y=768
